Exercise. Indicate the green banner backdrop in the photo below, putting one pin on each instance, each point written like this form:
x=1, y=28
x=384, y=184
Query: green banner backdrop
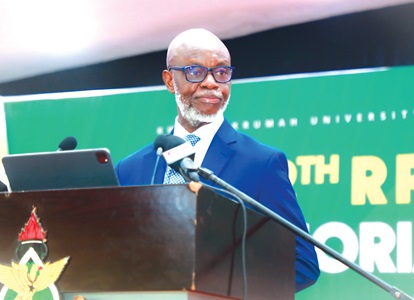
x=347, y=137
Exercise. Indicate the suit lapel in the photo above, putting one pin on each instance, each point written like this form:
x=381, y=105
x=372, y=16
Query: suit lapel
x=218, y=154
x=162, y=167
x=220, y=151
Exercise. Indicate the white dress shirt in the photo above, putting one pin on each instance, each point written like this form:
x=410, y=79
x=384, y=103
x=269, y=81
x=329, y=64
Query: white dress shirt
x=206, y=134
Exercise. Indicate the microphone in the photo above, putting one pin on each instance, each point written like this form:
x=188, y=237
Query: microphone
x=68, y=143
x=159, y=153
x=178, y=154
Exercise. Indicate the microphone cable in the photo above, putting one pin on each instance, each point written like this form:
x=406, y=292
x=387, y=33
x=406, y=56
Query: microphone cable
x=243, y=239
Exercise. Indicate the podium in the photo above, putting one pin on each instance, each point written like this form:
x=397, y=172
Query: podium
x=153, y=240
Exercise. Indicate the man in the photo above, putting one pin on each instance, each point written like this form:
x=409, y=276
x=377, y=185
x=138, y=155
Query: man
x=199, y=75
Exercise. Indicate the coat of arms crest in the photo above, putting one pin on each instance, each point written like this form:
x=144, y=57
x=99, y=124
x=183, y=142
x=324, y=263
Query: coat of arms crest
x=31, y=277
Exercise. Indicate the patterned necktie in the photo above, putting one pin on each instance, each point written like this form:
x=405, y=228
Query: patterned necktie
x=172, y=176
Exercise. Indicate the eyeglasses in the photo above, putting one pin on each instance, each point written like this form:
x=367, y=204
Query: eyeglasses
x=221, y=74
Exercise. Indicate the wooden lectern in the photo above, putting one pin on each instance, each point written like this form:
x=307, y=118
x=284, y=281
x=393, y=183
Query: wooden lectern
x=160, y=240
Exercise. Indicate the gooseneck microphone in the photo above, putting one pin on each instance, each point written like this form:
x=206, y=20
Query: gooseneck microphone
x=68, y=143
x=167, y=141
x=159, y=153
x=178, y=154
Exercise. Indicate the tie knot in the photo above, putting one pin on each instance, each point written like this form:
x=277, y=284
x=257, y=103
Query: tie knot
x=192, y=138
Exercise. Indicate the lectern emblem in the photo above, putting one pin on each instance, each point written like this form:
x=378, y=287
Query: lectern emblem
x=31, y=278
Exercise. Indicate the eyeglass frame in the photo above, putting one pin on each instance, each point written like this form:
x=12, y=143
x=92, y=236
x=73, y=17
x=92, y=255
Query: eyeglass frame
x=183, y=69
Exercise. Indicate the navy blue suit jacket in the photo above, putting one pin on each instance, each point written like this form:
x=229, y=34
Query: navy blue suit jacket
x=258, y=170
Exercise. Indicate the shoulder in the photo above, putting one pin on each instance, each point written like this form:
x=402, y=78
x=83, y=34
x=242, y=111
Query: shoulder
x=262, y=154
x=136, y=159
x=246, y=143
x=135, y=169
x=246, y=150
x=248, y=140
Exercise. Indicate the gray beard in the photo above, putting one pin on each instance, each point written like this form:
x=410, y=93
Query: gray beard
x=192, y=115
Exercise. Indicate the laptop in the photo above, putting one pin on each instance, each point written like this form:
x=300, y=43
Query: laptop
x=60, y=170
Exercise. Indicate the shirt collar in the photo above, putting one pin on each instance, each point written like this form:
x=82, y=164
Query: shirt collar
x=205, y=132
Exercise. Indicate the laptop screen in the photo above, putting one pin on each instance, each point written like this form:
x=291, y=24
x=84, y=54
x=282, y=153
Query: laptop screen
x=60, y=170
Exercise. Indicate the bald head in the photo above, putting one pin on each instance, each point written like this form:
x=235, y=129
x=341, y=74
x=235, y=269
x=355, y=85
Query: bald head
x=193, y=40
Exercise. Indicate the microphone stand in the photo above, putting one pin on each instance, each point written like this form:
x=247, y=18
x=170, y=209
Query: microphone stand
x=392, y=290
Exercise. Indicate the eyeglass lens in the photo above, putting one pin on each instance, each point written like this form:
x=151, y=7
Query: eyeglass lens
x=199, y=73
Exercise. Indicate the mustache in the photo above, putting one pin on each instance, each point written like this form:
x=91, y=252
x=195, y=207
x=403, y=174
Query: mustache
x=209, y=95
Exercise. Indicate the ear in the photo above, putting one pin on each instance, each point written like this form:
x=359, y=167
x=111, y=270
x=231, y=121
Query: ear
x=168, y=81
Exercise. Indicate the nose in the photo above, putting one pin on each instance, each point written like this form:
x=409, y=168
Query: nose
x=209, y=81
